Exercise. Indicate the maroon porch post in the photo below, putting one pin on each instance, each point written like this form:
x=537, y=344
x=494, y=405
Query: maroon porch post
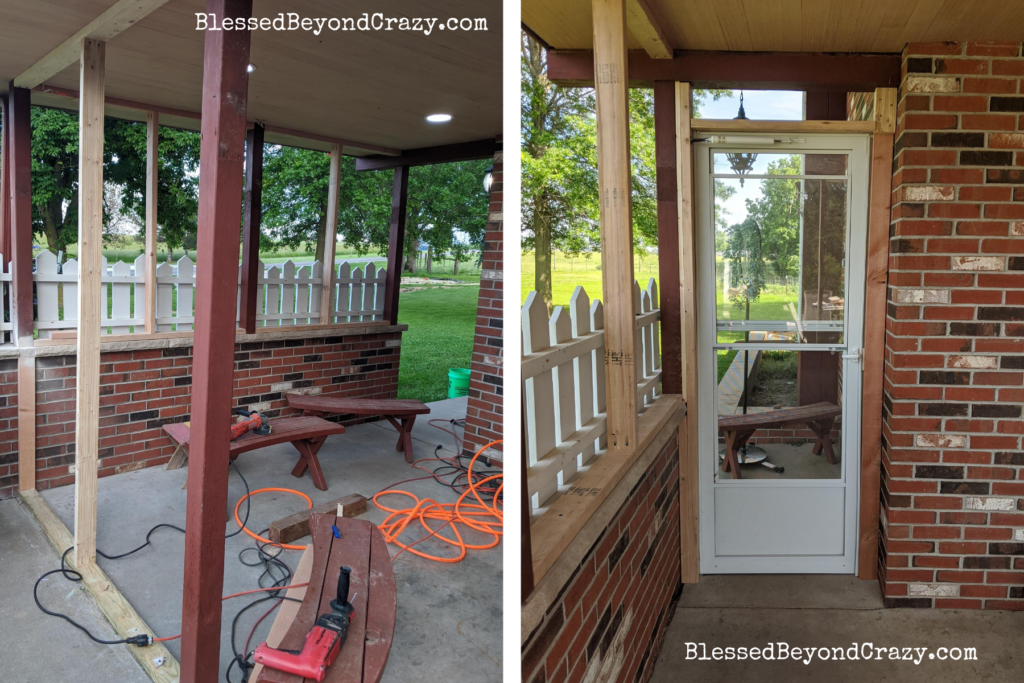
x=668, y=236
x=396, y=244
x=5, y=181
x=253, y=214
x=20, y=139
x=225, y=90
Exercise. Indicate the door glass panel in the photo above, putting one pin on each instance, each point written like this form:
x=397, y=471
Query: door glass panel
x=779, y=163
x=780, y=243
x=786, y=414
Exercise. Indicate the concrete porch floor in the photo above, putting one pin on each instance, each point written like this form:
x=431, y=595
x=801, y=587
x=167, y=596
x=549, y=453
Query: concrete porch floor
x=826, y=611
x=449, y=615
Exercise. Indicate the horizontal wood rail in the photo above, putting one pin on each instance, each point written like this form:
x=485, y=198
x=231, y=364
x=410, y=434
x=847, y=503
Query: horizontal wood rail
x=747, y=126
x=553, y=531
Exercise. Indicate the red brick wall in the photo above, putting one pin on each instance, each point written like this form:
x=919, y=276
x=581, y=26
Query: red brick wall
x=612, y=613
x=953, y=462
x=483, y=414
x=142, y=390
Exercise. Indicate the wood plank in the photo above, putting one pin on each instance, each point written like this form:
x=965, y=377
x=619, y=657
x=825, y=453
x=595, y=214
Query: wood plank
x=90, y=303
x=383, y=606
x=338, y=405
x=114, y=606
x=616, y=218
x=20, y=115
x=251, y=217
x=689, y=491
x=879, y=207
x=287, y=529
x=781, y=127
x=552, y=532
x=152, y=185
x=330, y=241
x=443, y=154
x=885, y=110
x=808, y=71
x=667, y=182
x=288, y=610
x=120, y=16
x=5, y=179
x=527, y=583
x=354, y=553
x=26, y=423
x=224, y=104
x=396, y=244
x=645, y=27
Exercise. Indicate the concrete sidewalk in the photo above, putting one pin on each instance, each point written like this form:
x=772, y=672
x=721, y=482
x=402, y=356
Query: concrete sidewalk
x=825, y=611
x=449, y=615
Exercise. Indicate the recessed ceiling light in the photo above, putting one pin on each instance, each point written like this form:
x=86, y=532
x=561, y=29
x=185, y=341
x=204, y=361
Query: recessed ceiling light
x=249, y=69
x=439, y=118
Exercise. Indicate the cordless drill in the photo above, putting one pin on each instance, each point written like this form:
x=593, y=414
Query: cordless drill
x=323, y=642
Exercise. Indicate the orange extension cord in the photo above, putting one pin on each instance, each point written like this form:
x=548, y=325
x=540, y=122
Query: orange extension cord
x=479, y=516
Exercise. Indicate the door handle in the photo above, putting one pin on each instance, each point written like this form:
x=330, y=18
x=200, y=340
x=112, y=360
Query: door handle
x=855, y=355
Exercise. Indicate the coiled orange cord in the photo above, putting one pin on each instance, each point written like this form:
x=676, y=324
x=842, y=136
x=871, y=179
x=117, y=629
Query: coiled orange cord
x=482, y=517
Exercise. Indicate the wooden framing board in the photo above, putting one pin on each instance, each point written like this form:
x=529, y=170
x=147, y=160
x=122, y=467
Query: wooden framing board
x=396, y=244
x=5, y=180
x=90, y=300
x=644, y=25
x=725, y=126
x=252, y=216
x=120, y=16
x=27, y=423
x=20, y=207
x=689, y=490
x=330, y=238
x=224, y=105
x=667, y=181
x=114, y=606
x=879, y=208
x=152, y=185
x=442, y=154
x=552, y=532
x=616, y=218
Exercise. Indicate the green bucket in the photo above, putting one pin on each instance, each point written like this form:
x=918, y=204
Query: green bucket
x=458, y=382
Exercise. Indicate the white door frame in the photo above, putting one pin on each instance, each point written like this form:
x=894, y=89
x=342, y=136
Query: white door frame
x=858, y=148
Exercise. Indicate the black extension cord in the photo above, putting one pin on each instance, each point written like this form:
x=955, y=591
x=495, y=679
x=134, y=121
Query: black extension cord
x=76, y=577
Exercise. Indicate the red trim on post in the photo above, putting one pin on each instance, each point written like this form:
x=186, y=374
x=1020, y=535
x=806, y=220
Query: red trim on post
x=668, y=236
x=21, y=213
x=225, y=91
x=5, y=182
x=396, y=244
x=253, y=214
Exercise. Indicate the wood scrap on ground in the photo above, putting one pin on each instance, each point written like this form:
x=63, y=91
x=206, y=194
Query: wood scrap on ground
x=296, y=526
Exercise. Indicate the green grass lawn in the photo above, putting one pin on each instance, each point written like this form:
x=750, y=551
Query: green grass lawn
x=441, y=323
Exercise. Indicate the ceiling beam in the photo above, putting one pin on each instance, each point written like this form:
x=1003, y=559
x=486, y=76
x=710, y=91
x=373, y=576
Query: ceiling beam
x=119, y=17
x=461, y=151
x=644, y=26
x=853, y=72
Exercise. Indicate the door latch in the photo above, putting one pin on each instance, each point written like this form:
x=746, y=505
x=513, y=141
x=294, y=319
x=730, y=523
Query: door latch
x=854, y=355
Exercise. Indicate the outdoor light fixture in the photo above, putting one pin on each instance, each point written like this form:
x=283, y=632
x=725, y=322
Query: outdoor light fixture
x=249, y=69
x=741, y=162
x=488, y=178
x=439, y=118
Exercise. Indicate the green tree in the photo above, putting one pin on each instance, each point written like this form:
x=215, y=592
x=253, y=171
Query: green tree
x=777, y=210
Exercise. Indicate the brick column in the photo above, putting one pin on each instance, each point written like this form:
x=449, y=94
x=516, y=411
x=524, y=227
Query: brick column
x=953, y=466
x=483, y=415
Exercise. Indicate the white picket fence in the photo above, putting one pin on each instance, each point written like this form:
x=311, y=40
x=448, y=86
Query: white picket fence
x=564, y=375
x=286, y=295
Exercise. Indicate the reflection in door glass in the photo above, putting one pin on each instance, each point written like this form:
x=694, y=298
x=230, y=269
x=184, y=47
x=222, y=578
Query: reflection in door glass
x=780, y=244
x=779, y=414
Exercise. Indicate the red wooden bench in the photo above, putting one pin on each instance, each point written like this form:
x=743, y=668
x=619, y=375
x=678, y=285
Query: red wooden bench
x=819, y=417
x=372, y=593
x=401, y=413
x=307, y=433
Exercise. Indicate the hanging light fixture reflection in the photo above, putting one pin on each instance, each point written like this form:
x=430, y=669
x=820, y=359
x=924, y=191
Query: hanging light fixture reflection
x=741, y=162
x=489, y=179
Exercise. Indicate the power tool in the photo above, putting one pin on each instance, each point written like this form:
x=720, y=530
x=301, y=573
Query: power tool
x=323, y=642
x=254, y=422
